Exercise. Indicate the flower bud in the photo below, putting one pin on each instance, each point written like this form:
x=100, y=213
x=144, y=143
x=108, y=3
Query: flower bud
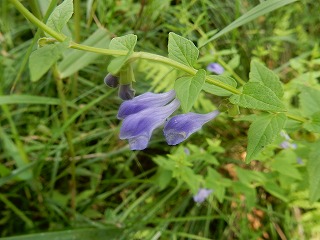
x=111, y=80
x=126, y=92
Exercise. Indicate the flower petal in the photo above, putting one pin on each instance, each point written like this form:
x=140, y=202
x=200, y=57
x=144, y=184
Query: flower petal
x=202, y=194
x=215, y=68
x=144, y=101
x=138, y=127
x=180, y=127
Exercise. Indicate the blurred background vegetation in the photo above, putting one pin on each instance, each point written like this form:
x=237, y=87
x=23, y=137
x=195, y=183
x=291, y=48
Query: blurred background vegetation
x=65, y=173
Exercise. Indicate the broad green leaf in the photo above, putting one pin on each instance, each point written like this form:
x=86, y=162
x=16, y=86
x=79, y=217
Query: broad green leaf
x=60, y=15
x=259, y=10
x=182, y=50
x=284, y=167
x=257, y=96
x=112, y=233
x=125, y=43
x=248, y=191
x=210, y=88
x=43, y=58
x=162, y=178
x=73, y=61
x=275, y=190
x=309, y=99
x=313, y=125
x=260, y=73
x=217, y=183
x=262, y=132
x=188, y=89
x=313, y=168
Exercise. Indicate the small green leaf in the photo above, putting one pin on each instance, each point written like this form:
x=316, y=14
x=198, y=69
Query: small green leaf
x=309, y=100
x=182, y=50
x=260, y=73
x=313, y=168
x=218, y=91
x=314, y=124
x=262, y=132
x=275, y=190
x=188, y=89
x=43, y=58
x=125, y=43
x=285, y=168
x=257, y=96
x=60, y=15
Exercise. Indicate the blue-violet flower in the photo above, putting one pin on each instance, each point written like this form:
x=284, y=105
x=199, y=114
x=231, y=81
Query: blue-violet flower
x=180, y=127
x=202, y=194
x=144, y=101
x=215, y=68
x=138, y=127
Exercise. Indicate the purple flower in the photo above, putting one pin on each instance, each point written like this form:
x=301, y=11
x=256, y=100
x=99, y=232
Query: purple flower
x=180, y=127
x=215, y=68
x=111, y=81
x=126, y=92
x=202, y=194
x=138, y=127
x=144, y=101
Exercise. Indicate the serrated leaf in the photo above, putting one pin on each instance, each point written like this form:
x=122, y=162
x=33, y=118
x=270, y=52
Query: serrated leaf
x=60, y=15
x=125, y=43
x=309, y=99
x=42, y=59
x=313, y=125
x=257, y=96
x=218, y=91
x=188, y=89
x=313, y=167
x=182, y=50
x=73, y=61
x=262, y=132
x=260, y=73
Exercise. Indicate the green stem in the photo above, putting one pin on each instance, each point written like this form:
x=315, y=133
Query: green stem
x=141, y=55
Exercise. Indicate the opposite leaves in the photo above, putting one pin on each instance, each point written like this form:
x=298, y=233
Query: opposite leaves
x=262, y=132
x=182, y=50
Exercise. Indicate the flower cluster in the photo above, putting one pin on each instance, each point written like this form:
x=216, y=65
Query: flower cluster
x=144, y=113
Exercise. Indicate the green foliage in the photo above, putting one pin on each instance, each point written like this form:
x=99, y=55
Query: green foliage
x=262, y=132
x=210, y=88
x=313, y=167
x=182, y=50
x=188, y=89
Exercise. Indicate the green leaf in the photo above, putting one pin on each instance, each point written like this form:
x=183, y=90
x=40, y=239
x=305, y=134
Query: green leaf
x=248, y=191
x=73, y=61
x=257, y=96
x=125, y=43
x=218, y=91
x=284, y=167
x=309, y=99
x=42, y=59
x=262, y=132
x=276, y=191
x=260, y=73
x=60, y=15
x=313, y=125
x=259, y=10
x=313, y=168
x=182, y=50
x=217, y=183
x=188, y=89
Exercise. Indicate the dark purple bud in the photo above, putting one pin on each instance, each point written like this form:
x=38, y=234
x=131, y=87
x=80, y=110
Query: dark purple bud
x=126, y=92
x=111, y=81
